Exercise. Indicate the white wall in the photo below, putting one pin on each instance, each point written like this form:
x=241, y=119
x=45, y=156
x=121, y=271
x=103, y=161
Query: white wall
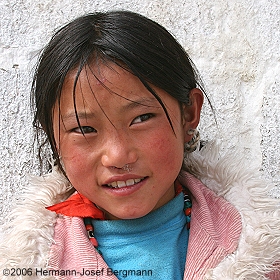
x=234, y=43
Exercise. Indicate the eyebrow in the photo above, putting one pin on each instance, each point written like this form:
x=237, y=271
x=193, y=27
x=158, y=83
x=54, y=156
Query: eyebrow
x=79, y=115
x=132, y=104
x=144, y=101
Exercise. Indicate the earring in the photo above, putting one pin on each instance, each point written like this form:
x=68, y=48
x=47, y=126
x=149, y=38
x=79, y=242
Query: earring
x=194, y=142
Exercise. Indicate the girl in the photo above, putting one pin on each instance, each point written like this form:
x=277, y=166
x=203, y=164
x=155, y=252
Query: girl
x=119, y=101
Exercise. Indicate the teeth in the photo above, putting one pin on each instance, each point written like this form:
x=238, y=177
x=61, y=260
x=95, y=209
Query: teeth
x=121, y=184
x=129, y=182
x=114, y=185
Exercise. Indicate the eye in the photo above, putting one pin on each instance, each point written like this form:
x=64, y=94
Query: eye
x=84, y=129
x=142, y=118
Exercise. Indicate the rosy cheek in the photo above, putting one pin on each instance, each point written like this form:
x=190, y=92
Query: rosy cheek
x=74, y=162
x=164, y=149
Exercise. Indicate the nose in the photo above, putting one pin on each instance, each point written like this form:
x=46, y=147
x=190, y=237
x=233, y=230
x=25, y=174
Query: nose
x=118, y=151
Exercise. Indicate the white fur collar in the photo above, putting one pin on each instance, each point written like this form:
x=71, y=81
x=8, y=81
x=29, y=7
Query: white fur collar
x=232, y=177
x=29, y=231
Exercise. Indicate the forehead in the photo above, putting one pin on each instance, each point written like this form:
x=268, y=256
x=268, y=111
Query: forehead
x=102, y=85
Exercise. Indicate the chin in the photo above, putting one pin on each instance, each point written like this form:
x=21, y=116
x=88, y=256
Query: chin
x=128, y=215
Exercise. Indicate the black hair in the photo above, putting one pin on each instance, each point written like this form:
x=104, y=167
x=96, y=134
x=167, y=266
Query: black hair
x=133, y=41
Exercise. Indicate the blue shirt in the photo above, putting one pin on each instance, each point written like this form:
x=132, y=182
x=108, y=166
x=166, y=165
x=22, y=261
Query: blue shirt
x=150, y=247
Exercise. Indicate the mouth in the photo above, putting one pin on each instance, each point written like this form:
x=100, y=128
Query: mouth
x=122, y=184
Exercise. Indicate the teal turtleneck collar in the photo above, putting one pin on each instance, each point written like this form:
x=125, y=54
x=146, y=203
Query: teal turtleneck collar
x=151, y=247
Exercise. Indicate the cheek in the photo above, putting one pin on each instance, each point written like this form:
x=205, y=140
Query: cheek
x=73, y=166
x=75, y=161
x=166, y=150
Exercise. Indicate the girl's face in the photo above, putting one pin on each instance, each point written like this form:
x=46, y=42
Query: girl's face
x=128, y=157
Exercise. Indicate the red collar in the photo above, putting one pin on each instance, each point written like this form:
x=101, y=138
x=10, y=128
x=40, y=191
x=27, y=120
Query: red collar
x=78, y=205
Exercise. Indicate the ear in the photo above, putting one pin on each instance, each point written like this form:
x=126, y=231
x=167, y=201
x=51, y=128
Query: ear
x=191, y=112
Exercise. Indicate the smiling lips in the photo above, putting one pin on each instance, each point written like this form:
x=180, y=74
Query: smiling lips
x=127, y=183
